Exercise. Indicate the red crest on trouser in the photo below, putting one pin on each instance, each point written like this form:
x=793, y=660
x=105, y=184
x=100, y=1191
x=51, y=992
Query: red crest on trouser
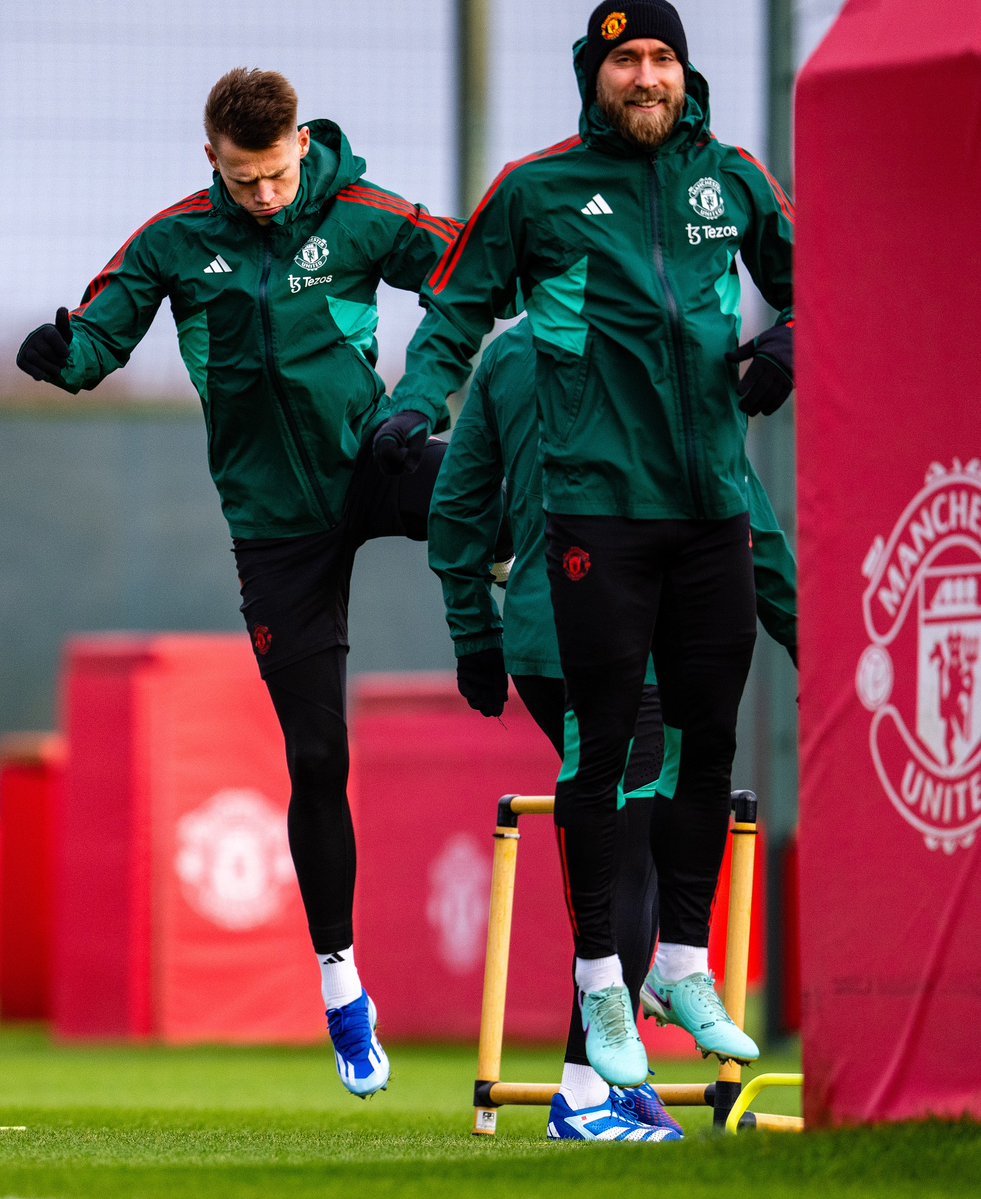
x=576, y=563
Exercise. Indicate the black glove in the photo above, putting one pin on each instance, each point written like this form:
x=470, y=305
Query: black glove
x=44, y=353
x=483, y=681
x=399, y=443
x=770, y=378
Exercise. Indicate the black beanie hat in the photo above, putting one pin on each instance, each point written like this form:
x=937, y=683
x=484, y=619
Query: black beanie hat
x=613, y=23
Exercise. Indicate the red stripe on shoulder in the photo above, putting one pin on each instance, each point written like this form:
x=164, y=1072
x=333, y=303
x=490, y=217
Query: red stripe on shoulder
x=782, y=198
x=371, y=201
x=198, y=202
x=446, y=228
x=441, y=230
x=444, y=271
x=374, y=195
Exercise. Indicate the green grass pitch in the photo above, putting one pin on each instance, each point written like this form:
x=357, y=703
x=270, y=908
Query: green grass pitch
x=215, y=1122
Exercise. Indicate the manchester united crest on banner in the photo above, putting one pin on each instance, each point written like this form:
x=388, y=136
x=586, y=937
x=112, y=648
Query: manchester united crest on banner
x=920, y=676
x=457, y=903
x=233, y=860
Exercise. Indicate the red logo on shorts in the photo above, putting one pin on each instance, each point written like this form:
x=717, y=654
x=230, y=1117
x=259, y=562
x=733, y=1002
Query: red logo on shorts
x=262, y=639
x=576, y=564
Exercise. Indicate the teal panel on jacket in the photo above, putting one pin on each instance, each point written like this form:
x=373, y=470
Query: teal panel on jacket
x=194, y=339
x=555, y=308
x=730, y=293
x=356, y=321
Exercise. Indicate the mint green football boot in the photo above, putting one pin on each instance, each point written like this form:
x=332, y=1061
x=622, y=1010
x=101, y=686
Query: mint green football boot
x=613, y=1044
x=692, y=1004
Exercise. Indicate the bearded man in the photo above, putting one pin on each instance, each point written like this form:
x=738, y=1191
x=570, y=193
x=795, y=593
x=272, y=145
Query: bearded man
x=621, y=242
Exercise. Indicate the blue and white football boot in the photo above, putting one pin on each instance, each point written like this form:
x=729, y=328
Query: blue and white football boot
x=361, y=1061
x=644, y=1105
x=601, y=1123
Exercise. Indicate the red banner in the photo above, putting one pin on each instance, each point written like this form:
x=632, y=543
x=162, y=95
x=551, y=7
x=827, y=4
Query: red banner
x=30, y=774
x=889, y=454
x=179, y=915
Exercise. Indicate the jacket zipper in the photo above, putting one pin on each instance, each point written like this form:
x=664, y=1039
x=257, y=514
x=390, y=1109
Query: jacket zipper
x=280, y=391
x=677, y=342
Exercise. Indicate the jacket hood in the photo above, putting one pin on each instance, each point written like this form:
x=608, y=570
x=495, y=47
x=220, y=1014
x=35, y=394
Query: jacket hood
x=596, y=130
x=329, y=166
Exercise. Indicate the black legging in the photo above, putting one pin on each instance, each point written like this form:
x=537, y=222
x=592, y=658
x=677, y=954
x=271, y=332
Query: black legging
x=309, y=693
x=309, y=698
x=619, y=589
x=635, y=888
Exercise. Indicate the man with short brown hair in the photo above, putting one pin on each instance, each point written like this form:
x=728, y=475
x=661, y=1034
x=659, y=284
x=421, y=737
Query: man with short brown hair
x=252, y=108
x=272, y=275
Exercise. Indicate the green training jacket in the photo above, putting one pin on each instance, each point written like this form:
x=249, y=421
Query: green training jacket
x=276, y=326
x=496, y=437
x=626, y=263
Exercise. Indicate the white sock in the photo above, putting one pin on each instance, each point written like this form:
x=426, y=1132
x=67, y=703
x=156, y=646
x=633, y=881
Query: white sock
x=582, y=1086
x=675, y=962
x=596, y=974
x=340, y=982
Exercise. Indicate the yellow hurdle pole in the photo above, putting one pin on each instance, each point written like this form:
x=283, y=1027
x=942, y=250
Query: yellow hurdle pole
x=523, y=1094
x=541, y=805
x=506, y=838
x=741, y=869
x=758, y=1119
x=685, y=1094
x=770, y=1122
x=531, y=1094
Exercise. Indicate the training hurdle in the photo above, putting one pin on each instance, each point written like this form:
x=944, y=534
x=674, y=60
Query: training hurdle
x=725, y=1096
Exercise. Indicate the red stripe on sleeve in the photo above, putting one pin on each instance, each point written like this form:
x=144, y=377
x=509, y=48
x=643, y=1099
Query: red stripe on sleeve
x=444, y=227
x=383, y=199
x=199, y=202
x=444, y=271
x=420, y=219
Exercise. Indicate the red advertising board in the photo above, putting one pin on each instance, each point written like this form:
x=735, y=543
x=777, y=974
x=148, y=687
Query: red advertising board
x=30, y=774
x=178, y=912
x=889, y=452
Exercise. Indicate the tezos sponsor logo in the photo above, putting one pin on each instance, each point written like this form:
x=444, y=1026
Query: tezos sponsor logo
x=298, y=282
x=710, y=232
x=233, y=860
x=919, y=676
x=313, y=255
x=705, y=197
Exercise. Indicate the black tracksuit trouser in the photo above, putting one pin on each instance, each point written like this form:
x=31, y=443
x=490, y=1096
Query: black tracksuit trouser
x=620, y=590
x=635, y=886
x=294, y=600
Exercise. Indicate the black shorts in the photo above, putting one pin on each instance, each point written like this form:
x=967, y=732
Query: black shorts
x=295, y=590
